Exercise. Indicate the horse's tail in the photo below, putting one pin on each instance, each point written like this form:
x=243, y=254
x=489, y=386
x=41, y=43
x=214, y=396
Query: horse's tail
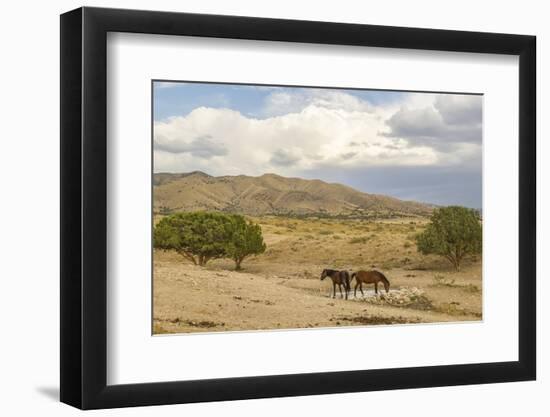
x=347, y=280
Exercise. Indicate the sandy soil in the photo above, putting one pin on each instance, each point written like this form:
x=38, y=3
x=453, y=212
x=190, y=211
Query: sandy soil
x=280, y=289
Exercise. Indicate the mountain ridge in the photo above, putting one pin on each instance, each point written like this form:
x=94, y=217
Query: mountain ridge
x=272, y=194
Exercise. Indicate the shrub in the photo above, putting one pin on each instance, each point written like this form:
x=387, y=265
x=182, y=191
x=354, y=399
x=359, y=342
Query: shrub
x=359, y=239
x=453, y=233
x=441, y=280
x=246, y=240
x=201, y=236
x=197, y=236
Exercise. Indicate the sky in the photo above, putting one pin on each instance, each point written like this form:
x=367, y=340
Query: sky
x=415, y=146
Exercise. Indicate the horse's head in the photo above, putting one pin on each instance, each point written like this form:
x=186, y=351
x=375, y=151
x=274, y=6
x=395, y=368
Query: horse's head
x=387, y=285
x=324, y=274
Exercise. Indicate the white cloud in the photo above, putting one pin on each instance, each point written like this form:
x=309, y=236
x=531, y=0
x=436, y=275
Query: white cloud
x=286, y=157
x=284, y=102
x=306, y=131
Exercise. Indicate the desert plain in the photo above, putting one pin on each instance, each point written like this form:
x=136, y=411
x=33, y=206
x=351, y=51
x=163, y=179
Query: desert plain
x=281, y=288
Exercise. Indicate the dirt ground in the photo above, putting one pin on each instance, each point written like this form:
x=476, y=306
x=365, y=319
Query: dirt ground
x=280, y=289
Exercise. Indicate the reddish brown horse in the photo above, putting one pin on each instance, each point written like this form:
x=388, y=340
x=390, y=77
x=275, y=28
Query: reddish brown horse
x=369, y=277
x=338, y=278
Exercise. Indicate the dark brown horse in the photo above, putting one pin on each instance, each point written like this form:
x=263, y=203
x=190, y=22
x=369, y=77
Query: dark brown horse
x=369, y=277
x=338, y=278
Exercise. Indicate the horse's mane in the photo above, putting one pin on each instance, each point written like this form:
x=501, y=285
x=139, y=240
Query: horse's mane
x=383, y=277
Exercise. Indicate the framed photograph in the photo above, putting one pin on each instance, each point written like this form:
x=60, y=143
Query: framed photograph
x=258, y=208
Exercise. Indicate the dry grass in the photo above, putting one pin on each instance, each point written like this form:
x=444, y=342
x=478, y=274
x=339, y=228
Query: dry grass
x=281, y=288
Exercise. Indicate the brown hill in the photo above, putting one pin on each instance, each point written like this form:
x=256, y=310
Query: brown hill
x=272, y=194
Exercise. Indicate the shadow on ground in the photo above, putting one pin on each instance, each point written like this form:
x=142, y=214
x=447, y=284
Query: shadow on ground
x=50, y=392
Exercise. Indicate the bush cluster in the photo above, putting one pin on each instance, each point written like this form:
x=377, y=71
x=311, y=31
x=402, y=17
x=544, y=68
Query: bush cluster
x=201, y=236
x=453, y=233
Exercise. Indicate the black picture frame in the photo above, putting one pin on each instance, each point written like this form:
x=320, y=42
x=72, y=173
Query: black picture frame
x=84, y=207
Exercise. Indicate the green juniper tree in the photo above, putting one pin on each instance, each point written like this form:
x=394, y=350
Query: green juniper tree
x=453, y=232
x=246, y=240
x=197, y=236
x=201, y=236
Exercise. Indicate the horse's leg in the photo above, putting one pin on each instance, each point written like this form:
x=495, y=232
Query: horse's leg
x=346, y=288
x=361, y=288
x=355, y=289
x=376, y=287
x=341, y=293
x=333, y=289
